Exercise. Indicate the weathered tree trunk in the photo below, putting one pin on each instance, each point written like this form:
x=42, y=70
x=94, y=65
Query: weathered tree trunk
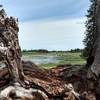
x=94, y=70
x=10, y=50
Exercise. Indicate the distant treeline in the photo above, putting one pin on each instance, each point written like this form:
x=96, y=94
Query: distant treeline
x=47, y=51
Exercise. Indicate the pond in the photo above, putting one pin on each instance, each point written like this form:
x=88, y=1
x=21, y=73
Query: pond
x=42, y=59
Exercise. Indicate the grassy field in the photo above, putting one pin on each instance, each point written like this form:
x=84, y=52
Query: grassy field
x=63, y=58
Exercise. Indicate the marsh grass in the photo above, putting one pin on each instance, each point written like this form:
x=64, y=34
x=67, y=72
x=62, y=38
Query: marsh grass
x=63, y=58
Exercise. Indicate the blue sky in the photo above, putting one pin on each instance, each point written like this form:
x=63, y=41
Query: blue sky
x=49, y=24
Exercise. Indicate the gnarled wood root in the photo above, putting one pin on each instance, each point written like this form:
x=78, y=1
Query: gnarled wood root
x=19, y=93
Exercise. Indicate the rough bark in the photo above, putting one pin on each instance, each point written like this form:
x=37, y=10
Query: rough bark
x=94, y=64
x=10, y=50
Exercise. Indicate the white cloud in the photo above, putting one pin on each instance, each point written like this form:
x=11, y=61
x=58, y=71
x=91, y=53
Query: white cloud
x=52, y=35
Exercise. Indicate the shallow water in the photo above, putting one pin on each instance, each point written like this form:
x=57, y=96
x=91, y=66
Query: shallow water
x=41, y=59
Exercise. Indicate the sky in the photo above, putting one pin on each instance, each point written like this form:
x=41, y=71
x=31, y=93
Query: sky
x=49, y=24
